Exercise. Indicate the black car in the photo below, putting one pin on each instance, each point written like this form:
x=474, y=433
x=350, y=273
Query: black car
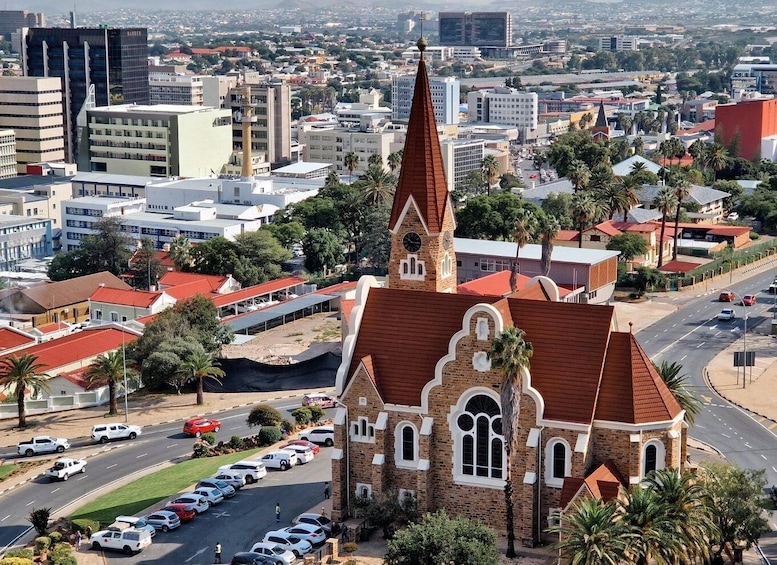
x=250, y=558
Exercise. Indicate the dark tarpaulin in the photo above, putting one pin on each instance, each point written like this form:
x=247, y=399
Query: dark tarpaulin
x=246, y=375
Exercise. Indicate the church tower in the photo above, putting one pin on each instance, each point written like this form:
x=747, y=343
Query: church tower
x=422, y=219
x=601, y=129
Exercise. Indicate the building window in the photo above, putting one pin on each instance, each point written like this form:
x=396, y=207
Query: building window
x=446, y=266
x=98, y=314
x=406, y=445
x=479, y=442
x=363, y=491
x=114, y=316
x=363, y=431
x=653, y=457
x=412, y=269
x=558, y=462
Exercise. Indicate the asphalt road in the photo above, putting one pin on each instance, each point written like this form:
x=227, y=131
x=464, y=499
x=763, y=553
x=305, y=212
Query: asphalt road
x=157, y=444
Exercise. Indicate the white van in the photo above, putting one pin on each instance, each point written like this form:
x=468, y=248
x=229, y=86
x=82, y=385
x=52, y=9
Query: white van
x=251, y=470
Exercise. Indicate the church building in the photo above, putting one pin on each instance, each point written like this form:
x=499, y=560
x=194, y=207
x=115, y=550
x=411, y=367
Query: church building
x=419, y=410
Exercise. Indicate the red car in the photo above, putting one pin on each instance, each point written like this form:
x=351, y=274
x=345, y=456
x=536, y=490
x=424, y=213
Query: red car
x=198, y=426
x=726, y=296
x=185, y=512
x=748, y=300
x=305, y=443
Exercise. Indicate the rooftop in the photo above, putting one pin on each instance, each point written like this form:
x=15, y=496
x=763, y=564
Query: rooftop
x=531, y=251
x=162, y=109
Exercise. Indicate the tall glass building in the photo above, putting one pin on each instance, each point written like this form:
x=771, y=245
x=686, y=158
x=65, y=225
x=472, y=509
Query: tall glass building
x=98, y=67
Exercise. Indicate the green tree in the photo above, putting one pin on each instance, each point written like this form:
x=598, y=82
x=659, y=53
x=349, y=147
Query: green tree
x=665, y=202
x=375, y=160
x=395, y=160
x=525, y=229
x=579, y=175
x=630, y=245
x=108, y=369
x=438, y=539
x=677, y=382
x=560, y=207
x=648, y=278
x=108, y=249
x=377, y=186
x=199, y=366
x=510, y=355
x=654, y=536
x=181, y=253
x=490, y=168
x=144, y=266
x=549, y=229
x=682, y=190
x=717, y=159
x=22, y=373
x=351, y=162
x=590, y=534
x=376, y=239
x=323, y=250
x=585, y=210
x=287, y=233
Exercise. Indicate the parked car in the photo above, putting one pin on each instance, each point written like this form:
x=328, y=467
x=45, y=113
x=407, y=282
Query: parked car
x=64, y=468
x=212, y=496
x=318, y=520
x=289, y=541
x=726, y=296
x=124, y=522
x=773, y=287
x=305, y=443
x=164, y=520
x=251, y=470
x=249, y=558
x=233, y=478
x=308, y=532
x=42, y=444
x=733, y=217
x=198, y=503
x=197, y=426
x=304, y=454
x=282, y=460
x=130, y=541
x=227, y=490
x=322, y=400
x=274, y=552
x=185, y=512
x=322, y=434
x=748, y=300
x=104, y=433
x=727, y=314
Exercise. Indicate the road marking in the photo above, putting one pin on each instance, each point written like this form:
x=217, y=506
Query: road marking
x=706, y=399
x=764, y=456
x=112, y=466
x=236, y=428
x=655, y=336
x=674, y=325
x=773, y=469
x=82, y=477
x=30, y=502
x=719, y=332
x=4, y=519
x=141, y=455
x=169, y=446
x=666, y=330
x=726, y=435
x=747, y=445
x=200, y=552
x=702, y=343
x=55, y=490
x=761, y=419
x=683, y=357
x=772, y=426
x=220, y=514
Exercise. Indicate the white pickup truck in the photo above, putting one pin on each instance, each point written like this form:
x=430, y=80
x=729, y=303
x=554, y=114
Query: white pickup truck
x=130, y=541
x=42, y=444
x=64, y=468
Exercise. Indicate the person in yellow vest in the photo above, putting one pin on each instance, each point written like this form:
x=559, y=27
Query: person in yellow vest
x=217, y=554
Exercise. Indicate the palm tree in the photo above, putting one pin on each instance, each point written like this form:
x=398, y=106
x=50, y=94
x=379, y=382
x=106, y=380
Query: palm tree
x=665, y=202
x=548, y=232
x=332, y=179
x=201, y=365
x=717, y=159
x=375, y=159
x=628, y=187
x=490, y=168
x=682, y=190
x=585, y=209
x=395, y=160
x=510, y=354
x=378, y=185
x=666, y=151
x=350, y=162
x=677, y=384
x=23, y=373
x=181, y=253
x=524, y=229
x=698, y=150
x=639, y=146
x=579, y=175
x=108, y=369
x=591, y=534
x=655, y=536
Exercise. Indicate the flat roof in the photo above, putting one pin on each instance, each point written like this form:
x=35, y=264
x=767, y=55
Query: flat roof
x=155, y=109
x=531, y=251
x=28, y=181
x=301, y=168
x=251, y=319
x=181, y=223
x=104, y=200
x=108, y=178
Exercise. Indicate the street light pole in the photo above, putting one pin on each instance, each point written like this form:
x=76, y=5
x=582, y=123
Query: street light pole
x=124, y=365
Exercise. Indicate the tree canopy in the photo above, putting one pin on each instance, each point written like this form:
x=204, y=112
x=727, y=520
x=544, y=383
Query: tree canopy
x=107, y=250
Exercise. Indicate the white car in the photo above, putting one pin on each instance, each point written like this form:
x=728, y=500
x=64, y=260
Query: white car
x=233, y=478
x=124, y=522
x=282, y=460
x=318, y=520
x=212, y=496
x=308, y=532
x=727, y=314
x=304, y=454
x=65, y=467
x=225, y=488
x=199, y=504
x=289, y=541
x=104, y=433
x=251, y=470
x=130, y=541
x=322, y=434
x=274, y=551
x=42, y=444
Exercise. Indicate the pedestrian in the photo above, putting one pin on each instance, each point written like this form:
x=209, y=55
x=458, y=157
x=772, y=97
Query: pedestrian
x=217, y=554
x=88, y=531
x=323, y=512
x=278, y=512
x=326, y=491
x=78, y=539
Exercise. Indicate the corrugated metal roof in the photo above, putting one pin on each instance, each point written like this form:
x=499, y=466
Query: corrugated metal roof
x=251, y=319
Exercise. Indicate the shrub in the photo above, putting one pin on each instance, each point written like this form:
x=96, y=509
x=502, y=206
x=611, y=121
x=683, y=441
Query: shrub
x=754, y=235
x=40, y=520
x=269, y=435
x=301, y=415
x=264, y=415
x=200, y=450
x=236, y=442
x=83, y=524
x=316, y=413
x=350, y=547
x=55, y=537
x=209, y=438
x=42, y=543
x=23, y=553
x=62, y=555
x=16, y=561
x=287, y=427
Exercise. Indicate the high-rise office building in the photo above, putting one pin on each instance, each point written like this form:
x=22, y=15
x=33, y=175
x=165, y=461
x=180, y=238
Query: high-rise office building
x=503, y=106
x=445, y=98
x=7, y=154
x=98, y=67
x=476, y=29
x=14, y=20
x=32, y=107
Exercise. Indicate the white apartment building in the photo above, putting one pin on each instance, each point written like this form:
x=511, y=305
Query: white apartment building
x=215, y=90
x=175, y=88
x=503, y=106
x=330, y=144
x=445, y=98
x=23, y=238
x=7, y=153
x=157, y=141
x=32, y=107
x=619, y=43
x=460, y=157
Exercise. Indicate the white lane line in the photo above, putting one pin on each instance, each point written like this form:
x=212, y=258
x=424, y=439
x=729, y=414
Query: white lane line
x=171, y=445
x=666, y=330
x=683, y=357
x=30, y=502
x=764, y=456
x=200, y=552
x=112, y=466
x=718, y=333
x=674, y=325
x=4, y=519
x=236, y=428
x=773, y=469
x=141, y=455
x=82, y=477
x=702, y=343
x=726, y=435
x=55, y=490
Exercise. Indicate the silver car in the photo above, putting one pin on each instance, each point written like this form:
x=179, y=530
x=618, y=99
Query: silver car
x=227, y=490
x=163, y=520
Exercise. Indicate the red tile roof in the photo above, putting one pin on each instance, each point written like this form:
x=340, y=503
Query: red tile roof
x=729, y=230
x=10, y=338
x=604, y=483
x=632, y=392
x=75, y=347
x=422, y=175
x=175, y=278
x=257, y=290
x=134, y=298
x=679, y=267
x=187, y=290
x=567, y=235
x=78, y=378
x=608, y=227
x=498, y=284
x=51, y=328
x=338, y=288
x=707, y=125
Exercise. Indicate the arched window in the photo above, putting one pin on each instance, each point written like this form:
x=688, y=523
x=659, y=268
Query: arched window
x=653, y=457
x=480, y=444
x=558, y=462
x=406, y=445
x=650, y=458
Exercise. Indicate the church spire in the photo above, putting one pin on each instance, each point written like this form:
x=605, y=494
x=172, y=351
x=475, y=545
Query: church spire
x=422, y=175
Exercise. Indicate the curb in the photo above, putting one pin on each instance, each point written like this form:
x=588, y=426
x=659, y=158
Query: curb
x=752, y=413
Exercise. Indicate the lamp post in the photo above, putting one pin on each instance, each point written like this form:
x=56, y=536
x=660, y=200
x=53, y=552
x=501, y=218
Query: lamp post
x=347, y=460
x=124, y=366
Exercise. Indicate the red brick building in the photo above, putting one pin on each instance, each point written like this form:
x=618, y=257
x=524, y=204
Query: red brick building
x=419, y=407
x=751, y=121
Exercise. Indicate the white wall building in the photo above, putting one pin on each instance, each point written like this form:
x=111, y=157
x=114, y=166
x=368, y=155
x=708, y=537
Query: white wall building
x=503, y=106
x=332, y=143
x=459, y=157
x=445, y=98
x=619, y=43
x=7, y=153
x=175, y=88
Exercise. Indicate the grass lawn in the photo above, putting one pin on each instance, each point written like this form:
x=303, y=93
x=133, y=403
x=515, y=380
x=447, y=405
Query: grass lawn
x=148, y=490
x=6, y=470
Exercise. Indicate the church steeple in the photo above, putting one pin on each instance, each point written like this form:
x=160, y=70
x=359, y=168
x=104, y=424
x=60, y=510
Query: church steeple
x=422, y=220
x=601, y=129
